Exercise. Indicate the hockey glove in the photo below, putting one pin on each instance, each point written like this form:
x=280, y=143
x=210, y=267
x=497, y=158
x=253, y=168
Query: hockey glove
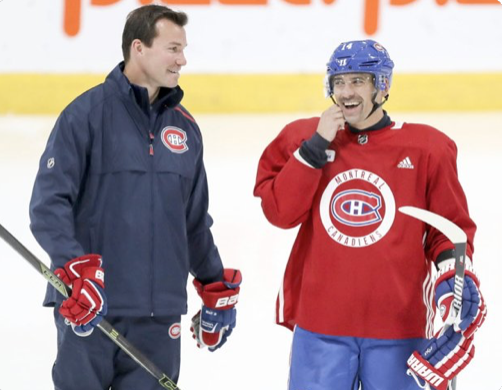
x=212, y=325
x=473, y=306
x=87, y=305
x=441, y=359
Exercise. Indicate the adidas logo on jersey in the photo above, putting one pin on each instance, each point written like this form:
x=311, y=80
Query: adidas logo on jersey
x=406, y=164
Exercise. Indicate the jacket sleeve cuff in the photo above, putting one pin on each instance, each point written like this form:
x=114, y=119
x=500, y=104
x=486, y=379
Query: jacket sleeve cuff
x=313, y=151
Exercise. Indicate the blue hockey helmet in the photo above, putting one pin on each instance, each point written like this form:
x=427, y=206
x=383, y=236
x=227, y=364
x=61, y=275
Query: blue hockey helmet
x=360, y=57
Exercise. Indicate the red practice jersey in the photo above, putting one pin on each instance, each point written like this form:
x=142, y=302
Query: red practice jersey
x=359, y=267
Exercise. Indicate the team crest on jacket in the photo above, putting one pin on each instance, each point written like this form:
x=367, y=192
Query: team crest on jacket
x=174, y=139
x=175, y=330
x=357, y=208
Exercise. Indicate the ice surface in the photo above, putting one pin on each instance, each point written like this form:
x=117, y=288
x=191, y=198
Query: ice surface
x=257, y=354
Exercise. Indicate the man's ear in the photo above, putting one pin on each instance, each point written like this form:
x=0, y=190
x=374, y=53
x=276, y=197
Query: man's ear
x=137, y=47
x=387, y=87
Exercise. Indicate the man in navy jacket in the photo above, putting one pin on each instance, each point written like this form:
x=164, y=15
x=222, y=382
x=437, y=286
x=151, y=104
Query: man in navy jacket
x=121, y=191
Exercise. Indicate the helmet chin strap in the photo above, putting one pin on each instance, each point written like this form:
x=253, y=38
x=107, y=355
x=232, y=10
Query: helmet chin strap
x=376, y=105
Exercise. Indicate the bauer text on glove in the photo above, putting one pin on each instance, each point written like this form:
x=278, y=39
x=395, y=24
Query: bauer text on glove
x=212, y=325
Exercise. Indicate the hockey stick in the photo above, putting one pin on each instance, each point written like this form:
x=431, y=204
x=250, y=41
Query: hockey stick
x=459, y=240
x=104, y=325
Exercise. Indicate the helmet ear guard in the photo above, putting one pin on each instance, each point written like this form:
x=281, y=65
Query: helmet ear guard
x=328, y=86
x=382, y=83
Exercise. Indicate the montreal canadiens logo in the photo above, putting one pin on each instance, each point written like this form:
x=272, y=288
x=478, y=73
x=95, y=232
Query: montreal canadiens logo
x=174, y=139
x=357, y=208
x=175, y=330
x=378, y=47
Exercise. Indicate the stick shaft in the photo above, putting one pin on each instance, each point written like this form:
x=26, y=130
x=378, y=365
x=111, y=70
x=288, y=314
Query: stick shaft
x=104, y=325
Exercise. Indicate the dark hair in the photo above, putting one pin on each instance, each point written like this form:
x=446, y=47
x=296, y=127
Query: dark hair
x=140, y=24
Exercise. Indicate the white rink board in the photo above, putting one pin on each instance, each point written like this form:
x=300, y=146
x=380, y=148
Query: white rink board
x=257, y=353
x=273, y=37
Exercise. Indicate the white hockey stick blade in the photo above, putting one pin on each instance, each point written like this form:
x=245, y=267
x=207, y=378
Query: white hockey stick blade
x=459, y=240
x=448, y=228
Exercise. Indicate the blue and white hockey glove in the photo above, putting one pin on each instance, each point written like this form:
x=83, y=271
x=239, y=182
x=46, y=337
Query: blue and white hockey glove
x=212, y=325
x=473, y=305
x=87, y=305
x=441, y=359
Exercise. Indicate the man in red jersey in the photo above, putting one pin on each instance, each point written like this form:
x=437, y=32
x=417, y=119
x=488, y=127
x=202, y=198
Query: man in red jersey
x=358, y=289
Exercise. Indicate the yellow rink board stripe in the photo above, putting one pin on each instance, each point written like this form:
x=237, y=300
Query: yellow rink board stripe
x=262, y=93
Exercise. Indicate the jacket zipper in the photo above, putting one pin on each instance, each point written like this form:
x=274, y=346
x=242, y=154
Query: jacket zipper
x=152, y=265
x=151, y=136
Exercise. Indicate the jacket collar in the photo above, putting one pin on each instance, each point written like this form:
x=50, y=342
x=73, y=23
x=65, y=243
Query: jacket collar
x=168, y=97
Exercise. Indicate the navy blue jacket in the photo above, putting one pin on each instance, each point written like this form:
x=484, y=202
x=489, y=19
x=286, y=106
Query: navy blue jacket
x=126, y=180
